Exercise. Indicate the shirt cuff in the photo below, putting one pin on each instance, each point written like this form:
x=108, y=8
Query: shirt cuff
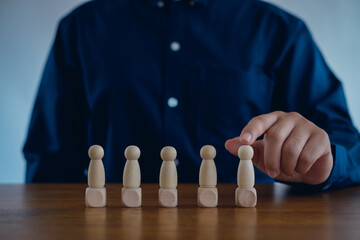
x=338, y=176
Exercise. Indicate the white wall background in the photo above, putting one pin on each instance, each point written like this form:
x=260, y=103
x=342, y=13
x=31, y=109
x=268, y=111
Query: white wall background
x=27, y=30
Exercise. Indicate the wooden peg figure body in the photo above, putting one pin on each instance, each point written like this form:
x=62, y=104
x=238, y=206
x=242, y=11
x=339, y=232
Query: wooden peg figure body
x=168, y=178
x=95, y=195
x=245, y=195
x=207, y=192
x=131, y=192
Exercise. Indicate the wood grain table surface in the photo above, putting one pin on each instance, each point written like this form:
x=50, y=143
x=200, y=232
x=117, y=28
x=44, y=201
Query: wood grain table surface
x=57, y=211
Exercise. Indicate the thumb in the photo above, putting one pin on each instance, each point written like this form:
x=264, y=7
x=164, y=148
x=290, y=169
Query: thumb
x=232, y=145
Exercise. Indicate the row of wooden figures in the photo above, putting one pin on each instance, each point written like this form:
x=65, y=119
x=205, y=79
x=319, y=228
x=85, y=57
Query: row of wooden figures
x=95, y=196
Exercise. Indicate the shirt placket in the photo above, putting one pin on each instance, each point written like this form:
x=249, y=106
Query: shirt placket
x=180, y=84
x=173, y=96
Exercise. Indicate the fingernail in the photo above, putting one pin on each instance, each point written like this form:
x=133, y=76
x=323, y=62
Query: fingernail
x=272, y=174
x=246, y=136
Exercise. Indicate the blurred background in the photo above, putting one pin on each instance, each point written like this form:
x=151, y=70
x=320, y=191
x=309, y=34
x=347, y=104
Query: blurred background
x=27, y=30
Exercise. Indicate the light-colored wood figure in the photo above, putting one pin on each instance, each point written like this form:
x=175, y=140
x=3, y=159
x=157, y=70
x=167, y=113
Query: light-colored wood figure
x=168, y=178
x=245, y=195
x=207, y=192
x=131, y=192
x=95, y=195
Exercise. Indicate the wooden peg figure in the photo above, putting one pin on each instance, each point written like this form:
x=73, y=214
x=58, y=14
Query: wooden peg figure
x=95, y=195
x=207, y=192
x=131, y=192
x=168, y=178
x=245, y=195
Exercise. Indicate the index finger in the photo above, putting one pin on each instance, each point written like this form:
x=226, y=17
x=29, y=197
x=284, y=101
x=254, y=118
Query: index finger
x=257, y=126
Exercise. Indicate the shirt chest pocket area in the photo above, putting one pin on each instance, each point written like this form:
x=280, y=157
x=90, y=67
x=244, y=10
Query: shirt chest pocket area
x=229, y=98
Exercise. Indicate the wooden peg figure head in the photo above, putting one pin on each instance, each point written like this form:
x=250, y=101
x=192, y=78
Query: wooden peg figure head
x=208, y=152
x=168, y=153
x=132, y=153
x=96, y=152
x=245, y=152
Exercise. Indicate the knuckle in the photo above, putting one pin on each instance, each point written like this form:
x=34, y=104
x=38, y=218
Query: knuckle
x=305, y=159
x=289, y=156
x=260, y=121
x=269, y=166
x=283, y=116
x=290, y=150
x=303, y=121
x=279, y=113
x=287, y=170
x=286, y=166
x=301, y=171
x=323, y=133
x=273, y=135
x=294, y=114
x=257, y=124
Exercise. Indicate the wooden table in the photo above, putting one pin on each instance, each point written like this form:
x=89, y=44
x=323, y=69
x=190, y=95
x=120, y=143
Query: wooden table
x=57, y=211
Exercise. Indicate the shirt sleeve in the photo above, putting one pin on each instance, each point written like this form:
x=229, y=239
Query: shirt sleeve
x=305, y=84
x=55, y=147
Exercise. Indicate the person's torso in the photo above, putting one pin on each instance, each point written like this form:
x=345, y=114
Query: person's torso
x=177, y=74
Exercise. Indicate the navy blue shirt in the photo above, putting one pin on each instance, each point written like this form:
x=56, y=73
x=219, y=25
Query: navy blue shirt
x=180, y=73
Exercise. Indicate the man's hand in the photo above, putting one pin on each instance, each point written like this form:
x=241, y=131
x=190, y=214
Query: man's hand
x=293, y=148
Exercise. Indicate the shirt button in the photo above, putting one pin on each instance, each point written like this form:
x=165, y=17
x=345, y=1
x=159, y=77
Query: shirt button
x=160, y=4
x=172, y=102
x=176, y=162
x=175, y=46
